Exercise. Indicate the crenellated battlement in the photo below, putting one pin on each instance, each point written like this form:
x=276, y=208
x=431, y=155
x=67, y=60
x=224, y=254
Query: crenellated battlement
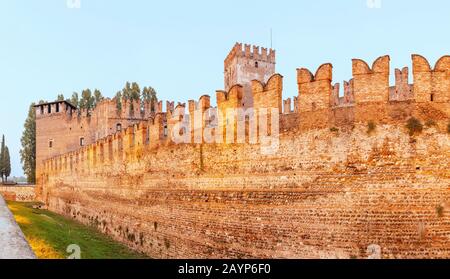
x=230, y=98
x=314, y=90
x=367, y=96
x=431, y=84
x=268, y=95
x=341, y=101
x=340, y=156
x=371, y=84
x=57, y=107
x=402, y=91
x=130, y=109
x=244, y=64
x=251, y=52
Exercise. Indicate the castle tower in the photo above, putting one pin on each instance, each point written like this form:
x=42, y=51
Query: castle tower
x=51, y=133
x=244, y=65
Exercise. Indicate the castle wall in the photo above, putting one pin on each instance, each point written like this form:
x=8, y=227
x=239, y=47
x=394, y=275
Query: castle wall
x=197, y=116
x=431, y=85
x=314, y=90
x=322, y=195
x=349, y=96
x=402, y=91
x=63, y=129
x=371, y=84
x=332, y=189
x=18, y=193
x=270, y=95
x=227, y=105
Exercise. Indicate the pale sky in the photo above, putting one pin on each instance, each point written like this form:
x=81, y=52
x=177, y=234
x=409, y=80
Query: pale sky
x=178, y=47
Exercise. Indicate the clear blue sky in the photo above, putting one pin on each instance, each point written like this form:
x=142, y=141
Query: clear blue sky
x=178, y=47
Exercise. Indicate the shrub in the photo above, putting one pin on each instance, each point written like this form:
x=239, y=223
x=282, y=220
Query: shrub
x=334, y=130
x=166, y=243
x=440, y=211
x=371, y=126
x=430, y=123
x=414, y=126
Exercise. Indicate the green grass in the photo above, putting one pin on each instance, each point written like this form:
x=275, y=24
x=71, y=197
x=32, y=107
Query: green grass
x=50, y=234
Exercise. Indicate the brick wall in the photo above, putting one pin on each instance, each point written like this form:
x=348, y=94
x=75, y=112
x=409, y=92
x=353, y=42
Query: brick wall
x=18, y=193
x=332, y=189
x=323, y=195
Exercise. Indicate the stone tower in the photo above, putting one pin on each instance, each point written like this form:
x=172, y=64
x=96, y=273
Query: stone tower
x=51, y=129
x=244, y=65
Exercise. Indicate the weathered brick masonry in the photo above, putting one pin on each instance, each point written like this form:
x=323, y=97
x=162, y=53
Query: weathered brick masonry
x=18, y=193
x=333, y=188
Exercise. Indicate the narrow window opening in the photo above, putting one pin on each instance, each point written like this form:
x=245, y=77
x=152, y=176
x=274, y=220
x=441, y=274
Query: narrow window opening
x=119, y=127
x=81, y=141
x=57, y=107
x=432, y=97
x=50, y=144
x=256, y=64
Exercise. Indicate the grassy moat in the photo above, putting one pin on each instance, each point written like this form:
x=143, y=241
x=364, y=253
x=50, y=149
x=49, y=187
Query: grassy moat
x=50, y=235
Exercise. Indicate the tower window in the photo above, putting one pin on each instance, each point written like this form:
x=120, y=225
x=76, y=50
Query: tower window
x=118, y=127
x=50, y=144
x=165, y=131
x=432, y=97
x=256, y=64
x=81, y=141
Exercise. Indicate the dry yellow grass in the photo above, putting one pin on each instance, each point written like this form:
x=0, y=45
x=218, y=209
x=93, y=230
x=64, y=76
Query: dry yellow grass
x=22, y=220
x=42, y=249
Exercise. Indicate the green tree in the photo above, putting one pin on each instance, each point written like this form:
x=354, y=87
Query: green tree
x=75, y=100
x=118, y=98
x=135, y=91
x=87, y=100
x=7, y=163
x=28, y=151
x=98, y=97
x=60, y=97
x=126, y=91
x=132, y=92
x=149, y=95
x=2, y=159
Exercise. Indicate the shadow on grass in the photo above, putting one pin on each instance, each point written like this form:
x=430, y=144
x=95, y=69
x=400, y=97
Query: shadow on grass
x=50, y=234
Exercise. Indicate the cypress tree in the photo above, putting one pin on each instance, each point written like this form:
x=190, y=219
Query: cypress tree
x=28, y=151
x=2, y=159
x=7, y=163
